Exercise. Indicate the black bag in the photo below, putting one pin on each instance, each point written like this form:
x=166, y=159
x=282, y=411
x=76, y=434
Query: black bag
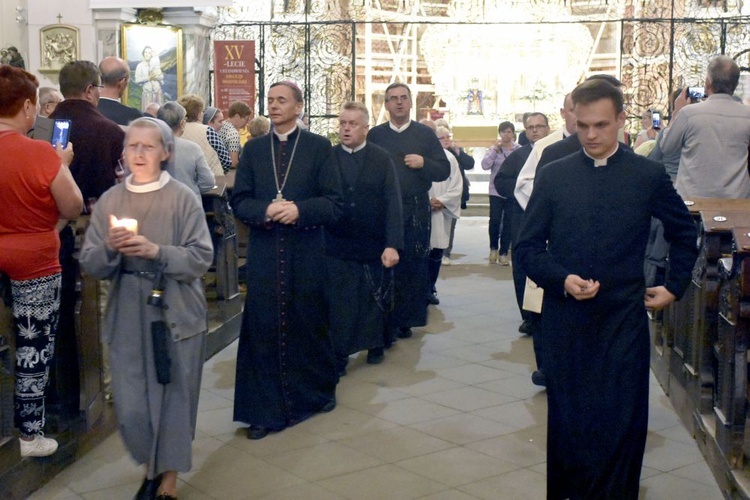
x=160, y=336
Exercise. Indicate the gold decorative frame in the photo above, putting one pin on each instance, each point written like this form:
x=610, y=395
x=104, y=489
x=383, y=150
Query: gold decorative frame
x=60, y=44
x=161, y=82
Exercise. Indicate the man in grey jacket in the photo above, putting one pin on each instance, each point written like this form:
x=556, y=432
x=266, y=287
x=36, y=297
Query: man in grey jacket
x=712, y=136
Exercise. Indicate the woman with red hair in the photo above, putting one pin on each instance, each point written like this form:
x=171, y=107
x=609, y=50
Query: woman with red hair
x=36, y=191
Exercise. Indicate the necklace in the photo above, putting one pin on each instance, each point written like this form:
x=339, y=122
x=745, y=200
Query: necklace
x=279, y=189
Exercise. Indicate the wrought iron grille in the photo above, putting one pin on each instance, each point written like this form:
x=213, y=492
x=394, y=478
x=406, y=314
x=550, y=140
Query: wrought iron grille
x=657, y=55
x=319, y=56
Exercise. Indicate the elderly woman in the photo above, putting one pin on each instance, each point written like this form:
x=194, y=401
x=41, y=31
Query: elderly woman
x=204, y=136
x=445, y=205
x=648, y=132
x=36, y=190
x=190, y=165
x=149, y=235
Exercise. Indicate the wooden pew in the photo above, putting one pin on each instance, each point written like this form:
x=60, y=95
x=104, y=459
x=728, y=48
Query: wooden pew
x=731, y=350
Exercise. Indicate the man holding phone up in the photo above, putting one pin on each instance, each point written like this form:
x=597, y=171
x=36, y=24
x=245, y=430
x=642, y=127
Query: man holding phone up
x=712, y=137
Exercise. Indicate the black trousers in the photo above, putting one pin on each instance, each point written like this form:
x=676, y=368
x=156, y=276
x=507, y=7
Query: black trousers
x=519, y=282
x=434, y=261
x=500, y=223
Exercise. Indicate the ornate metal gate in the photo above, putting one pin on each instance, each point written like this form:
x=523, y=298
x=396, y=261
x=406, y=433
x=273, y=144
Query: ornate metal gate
x=320, y=56
x=657, y=55
x=662, y=55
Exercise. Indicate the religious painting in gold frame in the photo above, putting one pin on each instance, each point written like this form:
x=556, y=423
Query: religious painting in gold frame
x=155, y=58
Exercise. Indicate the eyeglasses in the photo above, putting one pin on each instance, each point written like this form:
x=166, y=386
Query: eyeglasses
x=397, y=98
x=96, y=85
x=536, y=127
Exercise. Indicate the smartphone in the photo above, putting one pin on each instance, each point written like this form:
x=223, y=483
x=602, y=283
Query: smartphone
x=696, y=94
x=60, y=133
x=656, y=119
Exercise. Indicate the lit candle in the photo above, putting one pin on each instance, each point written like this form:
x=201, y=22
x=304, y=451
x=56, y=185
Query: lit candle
x=129, y=224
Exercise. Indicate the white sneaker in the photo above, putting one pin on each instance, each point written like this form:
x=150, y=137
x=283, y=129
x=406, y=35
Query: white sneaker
x=40, y=446
x=493, y=256
x=503, y=260
x=446, y=261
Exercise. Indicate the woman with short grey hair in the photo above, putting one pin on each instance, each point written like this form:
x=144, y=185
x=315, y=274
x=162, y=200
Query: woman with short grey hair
x=148, y=235
x=190, y=166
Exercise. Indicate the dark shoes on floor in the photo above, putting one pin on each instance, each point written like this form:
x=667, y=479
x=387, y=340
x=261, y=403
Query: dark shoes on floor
x=257, y=432
x=341, y=363
x=403, y=333
x=329, y=406
x=538, y=378
x=375, y=356
x=433, y=299
x=526, y=327
x=148, y=489
x=165, y=497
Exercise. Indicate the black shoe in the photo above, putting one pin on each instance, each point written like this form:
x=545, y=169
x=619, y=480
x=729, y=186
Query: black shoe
x=403, y=333
x=375, y=356
x=341, y=363
x=538, y=378
x=525, y=327
x=148, y=488
x=433, y=299
x=257, y=432
x=329, y=406
x=164, y=496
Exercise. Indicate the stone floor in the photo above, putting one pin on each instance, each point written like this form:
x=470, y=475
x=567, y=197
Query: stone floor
x=450, y=414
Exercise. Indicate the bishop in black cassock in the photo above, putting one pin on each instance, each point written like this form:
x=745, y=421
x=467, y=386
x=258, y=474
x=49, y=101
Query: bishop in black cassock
x=285, y=362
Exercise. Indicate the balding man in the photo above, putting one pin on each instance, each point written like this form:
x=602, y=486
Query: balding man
x=712, y=136
x=115, y=78
x=49, y=98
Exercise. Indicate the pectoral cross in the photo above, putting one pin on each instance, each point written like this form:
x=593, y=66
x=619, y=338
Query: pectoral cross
x=278, y=198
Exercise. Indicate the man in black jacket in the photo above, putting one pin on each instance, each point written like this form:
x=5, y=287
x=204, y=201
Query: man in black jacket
x=362, y=247
x=115, y=78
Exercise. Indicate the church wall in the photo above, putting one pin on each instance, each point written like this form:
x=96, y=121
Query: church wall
x=99, y=30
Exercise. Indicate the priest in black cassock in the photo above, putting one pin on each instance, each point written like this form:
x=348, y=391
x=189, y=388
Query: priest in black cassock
x=583, y=240
x=420, y=161
x=362, y=247
x=286, y=189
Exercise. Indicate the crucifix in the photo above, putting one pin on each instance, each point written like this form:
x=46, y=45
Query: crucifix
x=59, y=18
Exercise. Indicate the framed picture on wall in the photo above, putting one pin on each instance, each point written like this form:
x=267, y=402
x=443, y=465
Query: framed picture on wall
x=154, y=55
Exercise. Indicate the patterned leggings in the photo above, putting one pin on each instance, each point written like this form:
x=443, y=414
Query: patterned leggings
x=36, y=308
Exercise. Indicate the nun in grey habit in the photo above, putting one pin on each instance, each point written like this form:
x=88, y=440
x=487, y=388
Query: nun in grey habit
x=157, y=421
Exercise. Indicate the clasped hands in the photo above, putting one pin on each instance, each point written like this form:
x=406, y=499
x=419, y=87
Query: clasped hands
x=283, y=212
x=128, y=243
x=414, y=161
x=656, y=297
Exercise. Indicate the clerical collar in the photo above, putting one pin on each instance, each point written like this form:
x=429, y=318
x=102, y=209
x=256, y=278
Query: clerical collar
x=147, y=188
x=401, y=128
x=109, y=99
x=601, y=162
x=566, y=134
x=352, y=151
x=285, y=137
